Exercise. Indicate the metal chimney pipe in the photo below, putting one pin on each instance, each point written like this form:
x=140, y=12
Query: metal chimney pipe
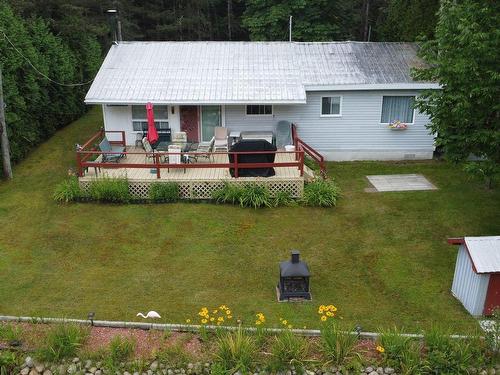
x=115, y=25
x=295, y=256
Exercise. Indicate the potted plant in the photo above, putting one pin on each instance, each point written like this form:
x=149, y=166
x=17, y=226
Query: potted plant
x=397, y=125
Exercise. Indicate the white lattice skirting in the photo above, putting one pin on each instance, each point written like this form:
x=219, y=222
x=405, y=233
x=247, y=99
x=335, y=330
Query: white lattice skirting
x=203, y=189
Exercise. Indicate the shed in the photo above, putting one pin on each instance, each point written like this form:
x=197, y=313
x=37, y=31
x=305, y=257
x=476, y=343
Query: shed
x=477, y=273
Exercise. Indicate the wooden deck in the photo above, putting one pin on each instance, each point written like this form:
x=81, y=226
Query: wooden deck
x=209, y=174
x=195, y=183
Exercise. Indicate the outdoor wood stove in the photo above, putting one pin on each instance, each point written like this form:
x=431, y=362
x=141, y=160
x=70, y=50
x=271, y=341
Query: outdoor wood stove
x=294, y=279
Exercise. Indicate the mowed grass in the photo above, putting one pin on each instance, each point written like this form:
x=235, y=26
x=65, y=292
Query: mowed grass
x=382, y=258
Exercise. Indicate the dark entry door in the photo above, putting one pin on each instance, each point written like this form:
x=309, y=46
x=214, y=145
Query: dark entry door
x=190, y=122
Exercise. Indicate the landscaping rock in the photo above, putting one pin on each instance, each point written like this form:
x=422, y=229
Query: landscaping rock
x=154, y=366
x=72, y=369
x=76, y=360
x=29, y=362
x=47, y=372
x=33, y=372
x=373, y=373
x=40, y=367
x=380, y=370
x=98, y=372
x=389, y=370
x=25, y=371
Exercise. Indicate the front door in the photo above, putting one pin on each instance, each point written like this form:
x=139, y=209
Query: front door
x=210, y=119
x=189, y=122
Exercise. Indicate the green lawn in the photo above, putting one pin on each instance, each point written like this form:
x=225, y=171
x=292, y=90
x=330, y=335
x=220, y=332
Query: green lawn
x=382, y=258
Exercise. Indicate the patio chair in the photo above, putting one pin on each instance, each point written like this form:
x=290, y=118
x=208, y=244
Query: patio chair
x=220, y=143
x=283, y=134
x=205, y=149
x=105, y=146
x=150, y=152
x=179, y=137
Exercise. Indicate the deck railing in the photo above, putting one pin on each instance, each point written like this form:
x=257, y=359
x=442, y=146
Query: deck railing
x=303, y=147
x=89, y=149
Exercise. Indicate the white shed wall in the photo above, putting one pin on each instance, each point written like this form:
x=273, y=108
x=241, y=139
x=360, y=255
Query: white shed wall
x=120, y=118
x=469, y=287
x=356, y=135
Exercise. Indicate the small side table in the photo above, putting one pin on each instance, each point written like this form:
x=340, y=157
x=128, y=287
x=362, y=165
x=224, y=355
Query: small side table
x=235, y=136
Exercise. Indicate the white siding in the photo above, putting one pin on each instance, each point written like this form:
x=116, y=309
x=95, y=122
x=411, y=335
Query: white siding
x=469, y=287
x=356, y=135
x=120, y=118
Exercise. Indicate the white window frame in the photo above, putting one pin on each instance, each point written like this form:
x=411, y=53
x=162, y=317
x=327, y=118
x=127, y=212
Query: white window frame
x=167, y=120
x=259, y=115
x=334, y=114
x=382, y=103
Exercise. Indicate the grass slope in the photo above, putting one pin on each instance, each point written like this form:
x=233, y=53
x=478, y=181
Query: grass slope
x=382, y=258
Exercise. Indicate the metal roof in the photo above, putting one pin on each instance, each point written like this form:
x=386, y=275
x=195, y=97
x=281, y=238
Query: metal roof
x=245, y=72
x=484, y=253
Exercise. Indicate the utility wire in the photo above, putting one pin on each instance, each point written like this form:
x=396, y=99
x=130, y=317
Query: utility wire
x=39, y=72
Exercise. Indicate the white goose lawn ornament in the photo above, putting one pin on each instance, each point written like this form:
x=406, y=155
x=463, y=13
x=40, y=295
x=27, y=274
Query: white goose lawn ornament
x=150, y=315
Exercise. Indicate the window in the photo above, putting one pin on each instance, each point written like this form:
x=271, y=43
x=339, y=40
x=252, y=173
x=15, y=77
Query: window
x=330, y=106
x=397, y=108
x=140, y=118
x=260, y=110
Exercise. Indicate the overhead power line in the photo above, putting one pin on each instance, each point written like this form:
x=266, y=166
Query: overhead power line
x=38, y=71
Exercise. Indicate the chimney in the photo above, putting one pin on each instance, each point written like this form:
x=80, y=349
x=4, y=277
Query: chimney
x=115, y=25
x=295, y=256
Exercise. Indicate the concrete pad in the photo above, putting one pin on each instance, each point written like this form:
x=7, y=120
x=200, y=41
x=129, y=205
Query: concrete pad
x=400, y=182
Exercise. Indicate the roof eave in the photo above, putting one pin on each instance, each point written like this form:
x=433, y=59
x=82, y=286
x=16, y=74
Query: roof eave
x=376, y=86
x=192, y=102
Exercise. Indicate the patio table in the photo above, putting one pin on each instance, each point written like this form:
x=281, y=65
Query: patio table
x=185, y=147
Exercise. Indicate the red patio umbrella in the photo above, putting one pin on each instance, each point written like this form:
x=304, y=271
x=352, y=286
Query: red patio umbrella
x=152, y=133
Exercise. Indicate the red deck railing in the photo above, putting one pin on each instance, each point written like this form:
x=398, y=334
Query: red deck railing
x=89, y=149
x=301, y=146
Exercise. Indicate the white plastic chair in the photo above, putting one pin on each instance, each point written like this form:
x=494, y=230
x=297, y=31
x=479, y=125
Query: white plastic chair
x=220, y=139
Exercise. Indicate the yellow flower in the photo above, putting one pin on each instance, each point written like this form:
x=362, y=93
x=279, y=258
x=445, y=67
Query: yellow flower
x=230, y=317
x=188, y=321
x=304, y=327
x=212, y=319
x=281, y=319
x=284, y=322
x=204, y=321
x=380, y=349
x=289, y=326
x=220, y=319
x=228, y=312
x=215, y=311
x=323, y=318
x=258, y=322
x=329, y=313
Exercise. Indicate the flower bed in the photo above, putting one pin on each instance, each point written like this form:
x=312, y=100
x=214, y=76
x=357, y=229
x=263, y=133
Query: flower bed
x=43, y=349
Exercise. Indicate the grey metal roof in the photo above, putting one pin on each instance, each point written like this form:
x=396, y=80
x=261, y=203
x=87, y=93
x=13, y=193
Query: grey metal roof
x=244, y=72
x=484, y=252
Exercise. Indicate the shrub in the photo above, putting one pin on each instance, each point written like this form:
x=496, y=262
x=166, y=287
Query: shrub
x=63, y=341
x=288, y=349
x=113, y=190
x=68, y=191
x=175, y=356
x=321, y=193
x=401, y=352
x=255, y=196
x=164, y=192
x=235, y=352
x=120, y=350
x=339, y=346
x=229, y=193
x=8, y=362
x=447, y=355
x=9, y=332
x=492, y=337
x=283, y=198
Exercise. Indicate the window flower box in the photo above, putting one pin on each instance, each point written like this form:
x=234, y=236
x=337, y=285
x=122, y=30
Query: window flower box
x=398, y=125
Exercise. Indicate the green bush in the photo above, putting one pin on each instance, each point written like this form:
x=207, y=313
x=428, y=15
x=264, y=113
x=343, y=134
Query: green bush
x=338, y=346
x=255, y=196
x=120, y=350
x=10, y=332
x=113, y=190
x=283, y=198
x=321, y=193
x=236, y=351
x=164, y=192
x=401, y=352
x=447, y=355
x=68, y=191
x=229, y=193
x=175, y=356
x=288, y=349
x=63, y=341
x=8, y=362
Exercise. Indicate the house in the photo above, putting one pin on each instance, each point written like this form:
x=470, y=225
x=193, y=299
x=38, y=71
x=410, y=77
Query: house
x=477, y=274
x=341, y=96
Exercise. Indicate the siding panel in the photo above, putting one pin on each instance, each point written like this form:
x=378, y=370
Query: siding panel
x=357, y=132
